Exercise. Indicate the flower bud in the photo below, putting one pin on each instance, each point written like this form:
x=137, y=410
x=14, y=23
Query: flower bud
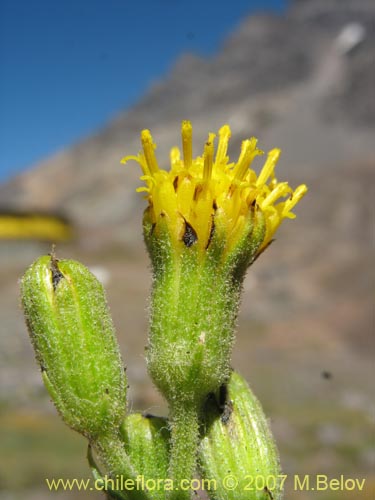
x=146, y=441
x=238, y=450
x=75, y=345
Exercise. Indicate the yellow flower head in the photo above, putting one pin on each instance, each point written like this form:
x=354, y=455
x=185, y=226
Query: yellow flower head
x=195, y=192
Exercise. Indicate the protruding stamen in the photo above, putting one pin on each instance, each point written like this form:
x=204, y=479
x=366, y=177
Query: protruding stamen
x=139, y=159
x=282, y=189
x=269, y=166
x=149, y=148
x=296, y=196
x=208, y=157
x=125, y=159
x=187, y=142
x=222, y=148
x=248, y=152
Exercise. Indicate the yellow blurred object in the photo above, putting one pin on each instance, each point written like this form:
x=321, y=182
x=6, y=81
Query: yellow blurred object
x=34, y=226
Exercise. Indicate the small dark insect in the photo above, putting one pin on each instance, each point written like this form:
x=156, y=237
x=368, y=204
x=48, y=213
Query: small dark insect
x=326, y=375
x=190, y=236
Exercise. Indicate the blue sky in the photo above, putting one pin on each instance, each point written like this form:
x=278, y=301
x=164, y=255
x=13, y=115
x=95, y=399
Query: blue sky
x=68, y=66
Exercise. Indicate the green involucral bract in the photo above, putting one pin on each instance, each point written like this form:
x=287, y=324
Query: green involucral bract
x=238, y=447
x=75, y=345
x=195, y=299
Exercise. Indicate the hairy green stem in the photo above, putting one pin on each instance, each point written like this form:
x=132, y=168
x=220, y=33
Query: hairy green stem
x=184, y=425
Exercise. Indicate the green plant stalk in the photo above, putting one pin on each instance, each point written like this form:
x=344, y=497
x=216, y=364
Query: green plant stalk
x=184, y=443
x=100, y=480
x=112, y=454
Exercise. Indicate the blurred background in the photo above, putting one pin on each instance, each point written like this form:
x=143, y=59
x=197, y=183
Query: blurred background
x=79, y=81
